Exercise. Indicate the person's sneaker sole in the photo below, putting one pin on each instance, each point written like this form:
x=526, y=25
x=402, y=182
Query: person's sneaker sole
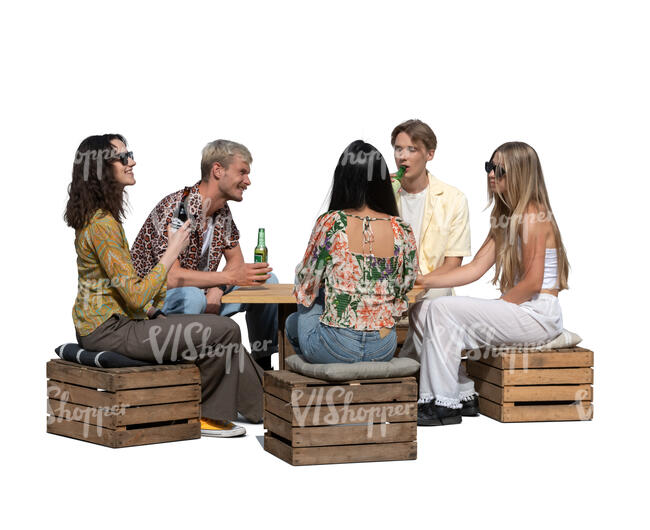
x=230, y=433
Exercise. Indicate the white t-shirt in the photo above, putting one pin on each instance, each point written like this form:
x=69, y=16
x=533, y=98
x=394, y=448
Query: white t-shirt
x=207, y=239
x=413, y=210
x=412, y=213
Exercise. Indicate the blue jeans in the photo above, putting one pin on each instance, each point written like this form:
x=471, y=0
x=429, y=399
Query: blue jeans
x=261, y=319
x=319, y=343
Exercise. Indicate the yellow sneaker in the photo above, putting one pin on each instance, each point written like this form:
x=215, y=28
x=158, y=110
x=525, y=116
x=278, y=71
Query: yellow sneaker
x=220, y=428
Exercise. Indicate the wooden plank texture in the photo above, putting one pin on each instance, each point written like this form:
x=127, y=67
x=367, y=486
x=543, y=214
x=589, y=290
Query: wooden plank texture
x=547, y=393
x=125, y=438
x=533, y=393
x=300, y=390
x=79, y=394
x=341, y=414
x=548, y=376
x=281, y=293
x=573, y=412
x=359, y=393
x=98, y=404
x=484, y=372
x=338, y=454
x=563, y=358
x=488, y=390
x=535, y=376
x=402, y=332
x=113, y=379
x=340, y=434
x=150, y=396
x=117, y=417
x=277, y=406
x=284, y=346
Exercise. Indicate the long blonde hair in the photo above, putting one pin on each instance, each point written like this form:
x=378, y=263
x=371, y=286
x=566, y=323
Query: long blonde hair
x=525, y=188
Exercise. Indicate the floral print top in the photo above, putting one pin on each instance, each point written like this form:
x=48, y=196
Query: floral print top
x=362, y=292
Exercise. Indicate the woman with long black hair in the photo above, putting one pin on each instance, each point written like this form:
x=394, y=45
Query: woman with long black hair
x=358, y=267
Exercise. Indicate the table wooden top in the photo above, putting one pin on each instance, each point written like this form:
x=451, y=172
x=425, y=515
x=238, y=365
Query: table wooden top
x=281, y=293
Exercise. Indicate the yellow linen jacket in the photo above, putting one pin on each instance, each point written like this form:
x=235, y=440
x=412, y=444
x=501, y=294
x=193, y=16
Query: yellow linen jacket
x=445, y=225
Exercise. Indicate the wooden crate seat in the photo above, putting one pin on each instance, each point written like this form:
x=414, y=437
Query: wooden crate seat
x=311, y=421
x=520, y=386
x=121, y=407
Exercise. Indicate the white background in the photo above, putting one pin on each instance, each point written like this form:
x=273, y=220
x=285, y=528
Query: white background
x=296, y=82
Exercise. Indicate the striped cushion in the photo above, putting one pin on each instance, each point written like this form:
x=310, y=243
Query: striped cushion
x=104, y=359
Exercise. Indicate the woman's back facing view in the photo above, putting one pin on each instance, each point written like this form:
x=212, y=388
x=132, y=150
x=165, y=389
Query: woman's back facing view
x=359, y=264
x=370, y=233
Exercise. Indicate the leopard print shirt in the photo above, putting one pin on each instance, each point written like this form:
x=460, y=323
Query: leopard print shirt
x=151, y=242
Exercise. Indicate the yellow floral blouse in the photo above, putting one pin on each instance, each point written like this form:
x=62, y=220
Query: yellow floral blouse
x=108, y=283
x=362, y=292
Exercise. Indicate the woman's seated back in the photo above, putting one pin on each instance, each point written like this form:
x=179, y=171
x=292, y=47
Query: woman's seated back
x=382, y=244
x=367, y=266
x=360, y=251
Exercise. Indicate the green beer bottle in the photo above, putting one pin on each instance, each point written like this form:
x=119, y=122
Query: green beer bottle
x=261, y=252
x=398, y=178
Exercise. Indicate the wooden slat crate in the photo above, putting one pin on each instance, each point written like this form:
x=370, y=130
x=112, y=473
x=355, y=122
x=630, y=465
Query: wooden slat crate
x=402, y=329
x=310, y=421
x=122, y=407
x=515, y=386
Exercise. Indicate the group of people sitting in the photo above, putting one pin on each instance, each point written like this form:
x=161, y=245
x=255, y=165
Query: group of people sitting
x=160, y=300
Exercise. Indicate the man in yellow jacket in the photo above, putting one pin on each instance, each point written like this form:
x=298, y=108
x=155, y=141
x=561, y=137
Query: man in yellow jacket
x=437, y=213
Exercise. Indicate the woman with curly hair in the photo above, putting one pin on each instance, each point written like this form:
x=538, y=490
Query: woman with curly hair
x=118, y=311
x=531, y=268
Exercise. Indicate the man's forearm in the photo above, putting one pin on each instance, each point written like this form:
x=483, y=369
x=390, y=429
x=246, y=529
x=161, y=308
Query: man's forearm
x=449, y=264
x=180, y=277
x=446, y=267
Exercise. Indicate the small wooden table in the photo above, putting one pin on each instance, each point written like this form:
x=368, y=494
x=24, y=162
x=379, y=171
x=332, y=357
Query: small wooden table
x=282, y=295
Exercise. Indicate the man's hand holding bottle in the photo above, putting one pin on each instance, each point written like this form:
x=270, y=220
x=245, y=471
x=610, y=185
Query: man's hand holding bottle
x=249, y=274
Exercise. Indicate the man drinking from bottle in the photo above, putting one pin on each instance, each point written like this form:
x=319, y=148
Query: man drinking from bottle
x=437, y=213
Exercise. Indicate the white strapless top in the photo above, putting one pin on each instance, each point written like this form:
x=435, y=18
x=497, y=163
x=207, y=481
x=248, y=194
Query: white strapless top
x=550, y=269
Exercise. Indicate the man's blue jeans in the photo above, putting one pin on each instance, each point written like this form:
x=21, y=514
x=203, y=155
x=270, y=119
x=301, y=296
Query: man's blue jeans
x=319, y=343
x=261, y=319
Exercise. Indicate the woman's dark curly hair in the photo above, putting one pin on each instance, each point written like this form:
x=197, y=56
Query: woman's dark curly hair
x=93, y=186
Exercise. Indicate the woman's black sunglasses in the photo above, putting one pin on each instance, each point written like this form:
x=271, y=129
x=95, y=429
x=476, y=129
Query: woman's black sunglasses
x=499, y=172
x=124, y=157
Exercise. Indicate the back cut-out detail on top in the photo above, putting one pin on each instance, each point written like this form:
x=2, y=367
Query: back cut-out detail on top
x=368, y=235
x=361, y=292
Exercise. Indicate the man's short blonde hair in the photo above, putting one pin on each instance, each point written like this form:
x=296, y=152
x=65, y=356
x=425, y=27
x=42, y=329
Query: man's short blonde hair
x=221, y=151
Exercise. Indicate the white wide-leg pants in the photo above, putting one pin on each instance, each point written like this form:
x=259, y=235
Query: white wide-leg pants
x=417, y=319
x=455, y=323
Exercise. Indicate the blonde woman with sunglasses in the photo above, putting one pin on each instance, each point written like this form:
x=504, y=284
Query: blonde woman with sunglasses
x=531, y=268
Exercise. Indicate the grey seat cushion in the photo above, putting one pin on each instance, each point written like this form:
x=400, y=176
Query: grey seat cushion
x=396, y=367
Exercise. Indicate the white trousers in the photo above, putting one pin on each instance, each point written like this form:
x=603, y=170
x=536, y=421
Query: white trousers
x=417, y=319
x=455, y=323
